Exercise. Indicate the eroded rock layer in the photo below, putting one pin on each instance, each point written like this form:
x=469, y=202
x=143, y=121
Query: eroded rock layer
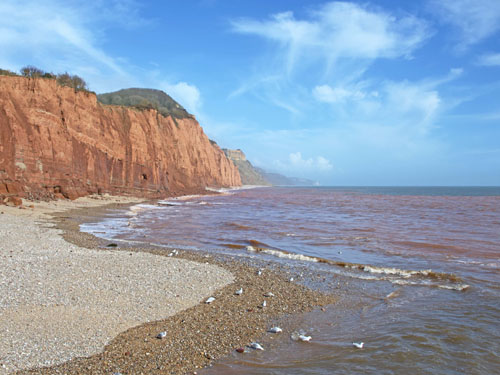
x=55, y=141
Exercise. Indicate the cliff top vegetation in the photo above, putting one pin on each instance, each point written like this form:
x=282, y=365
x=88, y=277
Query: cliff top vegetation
x=63, y=79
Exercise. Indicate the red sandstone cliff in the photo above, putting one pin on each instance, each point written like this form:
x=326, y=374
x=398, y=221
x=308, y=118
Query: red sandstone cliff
x=54, y=141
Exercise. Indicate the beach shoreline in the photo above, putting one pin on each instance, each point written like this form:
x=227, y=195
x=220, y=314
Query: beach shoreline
x=198, y=333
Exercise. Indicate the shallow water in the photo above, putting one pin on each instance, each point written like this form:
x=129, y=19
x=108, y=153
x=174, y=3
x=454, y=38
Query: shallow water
x=417, y=271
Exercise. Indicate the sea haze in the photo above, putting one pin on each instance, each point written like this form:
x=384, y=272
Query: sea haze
x=416, y=269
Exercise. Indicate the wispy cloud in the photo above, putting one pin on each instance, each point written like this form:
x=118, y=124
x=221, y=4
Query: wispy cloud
x=335, y=42
x=337, y=30
x=297, y=164
x=490, y=59
x=64, y=36
x=475, y=19
x=328, y=94
x=412, y=106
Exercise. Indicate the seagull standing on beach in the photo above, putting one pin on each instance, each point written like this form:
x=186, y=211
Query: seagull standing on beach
x=358, y=345
x=275, y=330
x=239, y=292
x=305, y=338
x=256, y=346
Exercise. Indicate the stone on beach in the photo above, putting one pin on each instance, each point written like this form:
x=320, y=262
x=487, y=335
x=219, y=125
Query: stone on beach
x=210, y=300
x=268, y=294
x=239, y=292
x=13, y=201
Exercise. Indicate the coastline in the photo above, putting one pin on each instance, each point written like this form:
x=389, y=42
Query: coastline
x=197, y=333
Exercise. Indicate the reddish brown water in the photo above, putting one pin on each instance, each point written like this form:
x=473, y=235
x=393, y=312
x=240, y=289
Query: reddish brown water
x=417, y=270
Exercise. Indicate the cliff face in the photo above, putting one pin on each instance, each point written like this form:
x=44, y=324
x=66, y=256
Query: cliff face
x=235, y=154
x=56, y=141
x=249, y=174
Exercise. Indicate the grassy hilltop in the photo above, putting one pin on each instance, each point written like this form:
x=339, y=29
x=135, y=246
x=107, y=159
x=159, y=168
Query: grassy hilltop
x=145, y=98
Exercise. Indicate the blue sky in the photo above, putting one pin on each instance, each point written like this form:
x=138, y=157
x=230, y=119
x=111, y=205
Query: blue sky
x=380, y=92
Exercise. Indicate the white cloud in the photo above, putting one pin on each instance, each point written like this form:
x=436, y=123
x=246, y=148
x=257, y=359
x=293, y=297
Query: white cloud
x=185, y=94
x=476, y=19
x=323, y=164
x=413, y=106
x=338, y=30
x=398, y=104
x=327, y=94
x=297, y=164
x=491, y=59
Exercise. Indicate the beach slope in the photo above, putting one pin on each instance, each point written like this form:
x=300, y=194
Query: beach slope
x=59, y=301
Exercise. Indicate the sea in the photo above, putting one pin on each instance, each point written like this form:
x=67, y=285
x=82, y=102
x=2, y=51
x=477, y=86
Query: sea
x=416, y=271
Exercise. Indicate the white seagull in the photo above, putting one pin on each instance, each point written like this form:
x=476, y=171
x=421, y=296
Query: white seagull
x=161, y=335
x=239, y=292
x=305, y=338
x=256, y=346
x=210, y=300
x=275, y=330
x=358, y=345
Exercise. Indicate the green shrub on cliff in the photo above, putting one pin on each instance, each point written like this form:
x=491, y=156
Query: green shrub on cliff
x=32, y=71
x=6, y=72
x=145, y=99
x=72, y=81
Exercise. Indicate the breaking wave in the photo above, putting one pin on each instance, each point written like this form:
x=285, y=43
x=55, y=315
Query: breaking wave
x=391, y=274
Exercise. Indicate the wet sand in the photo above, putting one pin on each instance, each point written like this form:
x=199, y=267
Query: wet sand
x=200, y=333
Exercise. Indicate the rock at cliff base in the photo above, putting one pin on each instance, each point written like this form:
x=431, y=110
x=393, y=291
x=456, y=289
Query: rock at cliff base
x=13, y=201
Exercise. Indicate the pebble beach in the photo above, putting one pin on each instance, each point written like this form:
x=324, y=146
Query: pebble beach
x=71, y=304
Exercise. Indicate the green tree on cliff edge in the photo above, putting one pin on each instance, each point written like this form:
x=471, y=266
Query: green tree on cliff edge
x=32, y=71
x=73, y=81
